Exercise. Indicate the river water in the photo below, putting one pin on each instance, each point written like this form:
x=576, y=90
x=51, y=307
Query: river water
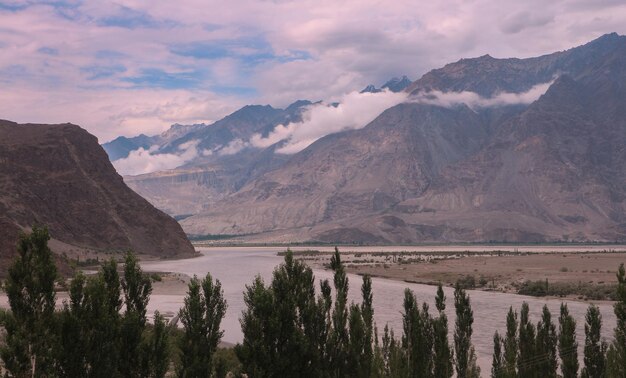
x=236, y=267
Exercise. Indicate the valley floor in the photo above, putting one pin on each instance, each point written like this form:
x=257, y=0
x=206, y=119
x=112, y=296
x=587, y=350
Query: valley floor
x=576, y=272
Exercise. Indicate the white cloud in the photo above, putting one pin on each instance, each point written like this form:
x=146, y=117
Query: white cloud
x=232, y=147
x=354, y=111
x=347, y=45
x=145, y=161
x=474, y=100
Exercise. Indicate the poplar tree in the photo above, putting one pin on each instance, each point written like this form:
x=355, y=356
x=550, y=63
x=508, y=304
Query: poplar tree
x=339, y=332
x=511, y=346
x=443, y=364
x=617, y=359
x=155, y=351
x=201, y=316
x=28, y=349
x=466, y=366
x=497, y=362
x=568, y=347
x=546, y=346
x=595, y=347
x=526, y=355
x=137, y=288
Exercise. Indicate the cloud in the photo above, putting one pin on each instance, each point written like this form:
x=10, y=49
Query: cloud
x=232, y=147
x=145, y=161
x=92, y=62
x=352, y=111
x=474, y=100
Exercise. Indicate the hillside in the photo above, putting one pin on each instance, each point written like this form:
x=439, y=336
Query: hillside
x=58, y=175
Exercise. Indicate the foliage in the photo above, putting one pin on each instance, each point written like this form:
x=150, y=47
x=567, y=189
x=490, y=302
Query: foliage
x=201, y=316
x=568, y=347
x=465, y=355
x=595, y=348
x=30, y=331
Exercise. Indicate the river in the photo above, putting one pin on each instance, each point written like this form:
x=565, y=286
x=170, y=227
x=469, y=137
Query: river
x=236, y=267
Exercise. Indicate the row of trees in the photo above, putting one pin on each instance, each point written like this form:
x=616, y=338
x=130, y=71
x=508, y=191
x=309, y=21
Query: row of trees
x=102, y=330
x=532, y=351
x=290, y=329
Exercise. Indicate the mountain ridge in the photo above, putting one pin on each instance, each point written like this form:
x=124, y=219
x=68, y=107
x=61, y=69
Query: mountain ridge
x=547, y=171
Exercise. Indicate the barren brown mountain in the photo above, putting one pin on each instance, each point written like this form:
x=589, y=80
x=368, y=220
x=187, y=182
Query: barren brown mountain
x=549, y=171
x=58, y=176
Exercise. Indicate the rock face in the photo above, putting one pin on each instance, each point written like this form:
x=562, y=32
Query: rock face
x=58, y=176
x=549, y=171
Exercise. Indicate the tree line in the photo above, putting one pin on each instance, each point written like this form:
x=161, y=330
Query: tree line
x=291, y=328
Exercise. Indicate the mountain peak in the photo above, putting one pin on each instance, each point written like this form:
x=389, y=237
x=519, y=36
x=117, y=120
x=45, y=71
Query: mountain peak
x=397, y=84
x=298, y=104
x=371, y=88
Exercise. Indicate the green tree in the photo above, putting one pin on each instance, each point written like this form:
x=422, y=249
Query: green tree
x=394, y=358
x=30, y=336
x=443, y=359
x=511, y=344
x=257, y=352
x=418, y=337
x=526, y=356
x=137, y=288
x=339, y=332
x=546, y=346
x=371, y=338
x=202, y=313
x=155, y=359
x=595, y=347
x=497, y=362
x=617, y=359
x=466, y=366
x=71, y=356
x=285, y=328
x=568, y=347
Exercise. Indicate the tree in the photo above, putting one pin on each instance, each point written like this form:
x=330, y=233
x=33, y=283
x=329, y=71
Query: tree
x=497, y=362
x=595, y=348
x=71, y=357
x=137, y=288
x=202, y=313
x=371, y=338
x=418, y=337
x=155, y=351
x=339, y=332
x=285, y=328
x=511, y=344
x=443, y=355
x=546, y=346
x=30, y=336
x=101, y=322
x=526, y=355
x=568, y=347
x=617, y=359
x=465, y=355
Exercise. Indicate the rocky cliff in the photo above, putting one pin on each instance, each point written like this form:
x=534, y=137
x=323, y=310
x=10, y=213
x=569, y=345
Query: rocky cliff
x=59, y=176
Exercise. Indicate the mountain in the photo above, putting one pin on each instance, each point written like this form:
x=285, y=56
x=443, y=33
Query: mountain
x=548, y=170
x=224, y=162
x=396, y=84
x=121, y=147
x=58, y=176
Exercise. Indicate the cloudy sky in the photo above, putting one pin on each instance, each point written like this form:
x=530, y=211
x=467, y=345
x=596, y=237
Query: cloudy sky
x=131, y=66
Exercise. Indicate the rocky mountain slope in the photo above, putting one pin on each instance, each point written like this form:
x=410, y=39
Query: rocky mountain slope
x=222, y=165
x=551, y=170
x=58, y=175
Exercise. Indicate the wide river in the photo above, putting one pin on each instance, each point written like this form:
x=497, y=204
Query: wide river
x=236, y=267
